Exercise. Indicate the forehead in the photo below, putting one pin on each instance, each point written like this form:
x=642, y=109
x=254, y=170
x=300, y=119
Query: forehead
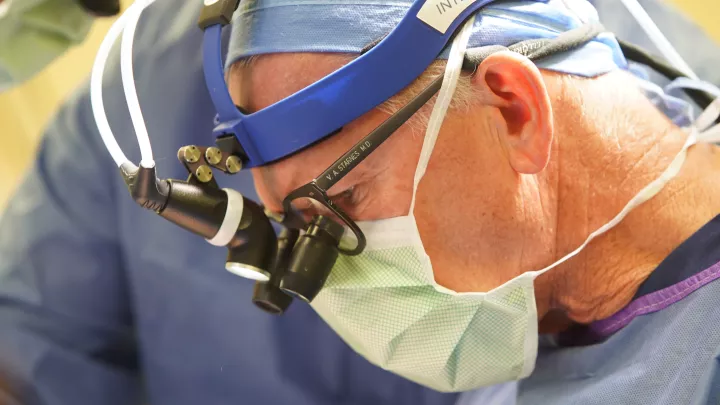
x=267, y=79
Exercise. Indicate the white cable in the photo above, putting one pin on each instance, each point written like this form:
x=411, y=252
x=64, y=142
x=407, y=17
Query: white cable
x=128, y=81
x=657, y=37
x=96, y=83
x=96, y=91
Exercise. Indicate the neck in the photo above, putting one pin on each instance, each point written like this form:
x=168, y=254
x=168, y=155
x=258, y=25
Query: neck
x=604, y=277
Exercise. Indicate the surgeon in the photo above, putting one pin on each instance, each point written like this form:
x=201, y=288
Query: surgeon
x=33, y=33
x=547, y=197
x=102, y=302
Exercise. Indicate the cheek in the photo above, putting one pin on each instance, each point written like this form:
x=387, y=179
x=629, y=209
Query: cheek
x=446, y=201
x=457, y=184
x=263, y=189
x=391, y=169
x=387, y=200
x=456, y=210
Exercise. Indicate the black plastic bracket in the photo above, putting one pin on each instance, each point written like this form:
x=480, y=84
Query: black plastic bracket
x=145, y=188
x=217, y=12
x=231, y=145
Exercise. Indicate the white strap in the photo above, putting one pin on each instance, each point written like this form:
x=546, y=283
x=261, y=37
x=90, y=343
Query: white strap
x=708, y=117
x=657, y=37
x=711, y=135
x=648, y=192
x=452, y=73
x=230, y=223
x=678, y=86
x=652, y=189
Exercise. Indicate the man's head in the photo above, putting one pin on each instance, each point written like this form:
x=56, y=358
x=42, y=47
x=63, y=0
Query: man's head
x=488, y=206
x=526, y=165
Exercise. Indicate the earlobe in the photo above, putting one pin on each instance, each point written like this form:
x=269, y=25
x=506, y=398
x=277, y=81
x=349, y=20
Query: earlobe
x=525, y=120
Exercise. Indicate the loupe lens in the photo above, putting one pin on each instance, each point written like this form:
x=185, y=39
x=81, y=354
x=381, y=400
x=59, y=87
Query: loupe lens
x=247, y=271
x=313, y=258
x=252, y=250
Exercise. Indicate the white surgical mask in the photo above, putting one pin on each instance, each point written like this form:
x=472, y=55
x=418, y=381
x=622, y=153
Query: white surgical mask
x=386, y=304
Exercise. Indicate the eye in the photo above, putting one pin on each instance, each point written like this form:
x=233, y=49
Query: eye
x=345, y=198
x=345, y=201
x=308, y=207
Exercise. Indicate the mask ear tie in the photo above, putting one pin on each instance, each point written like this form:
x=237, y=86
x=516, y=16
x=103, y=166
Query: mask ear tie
x=657, y=37
x=442, y=103
x=709, y=116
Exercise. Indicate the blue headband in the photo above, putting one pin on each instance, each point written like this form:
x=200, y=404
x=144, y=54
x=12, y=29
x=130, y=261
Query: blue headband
x=423, y=29
x=347, y=26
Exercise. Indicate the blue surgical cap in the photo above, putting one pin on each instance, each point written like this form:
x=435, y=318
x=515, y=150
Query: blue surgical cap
x=347, y=26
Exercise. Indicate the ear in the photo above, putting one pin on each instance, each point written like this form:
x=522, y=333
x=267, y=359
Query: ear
x=524, y=120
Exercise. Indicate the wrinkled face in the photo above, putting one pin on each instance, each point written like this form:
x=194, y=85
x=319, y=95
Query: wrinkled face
x=475, y=212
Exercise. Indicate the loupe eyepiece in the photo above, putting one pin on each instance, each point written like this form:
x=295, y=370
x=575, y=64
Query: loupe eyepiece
x=268, y=296
x=252, y=252
x=313, y=258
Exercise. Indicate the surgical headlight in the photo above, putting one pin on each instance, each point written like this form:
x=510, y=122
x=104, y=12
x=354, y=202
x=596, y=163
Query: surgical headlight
x=297, y=261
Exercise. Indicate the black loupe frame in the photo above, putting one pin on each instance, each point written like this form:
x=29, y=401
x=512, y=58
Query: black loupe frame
x=317, y=188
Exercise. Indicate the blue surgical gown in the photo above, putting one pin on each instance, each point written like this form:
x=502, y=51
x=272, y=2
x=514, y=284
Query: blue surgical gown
x=103, y=303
